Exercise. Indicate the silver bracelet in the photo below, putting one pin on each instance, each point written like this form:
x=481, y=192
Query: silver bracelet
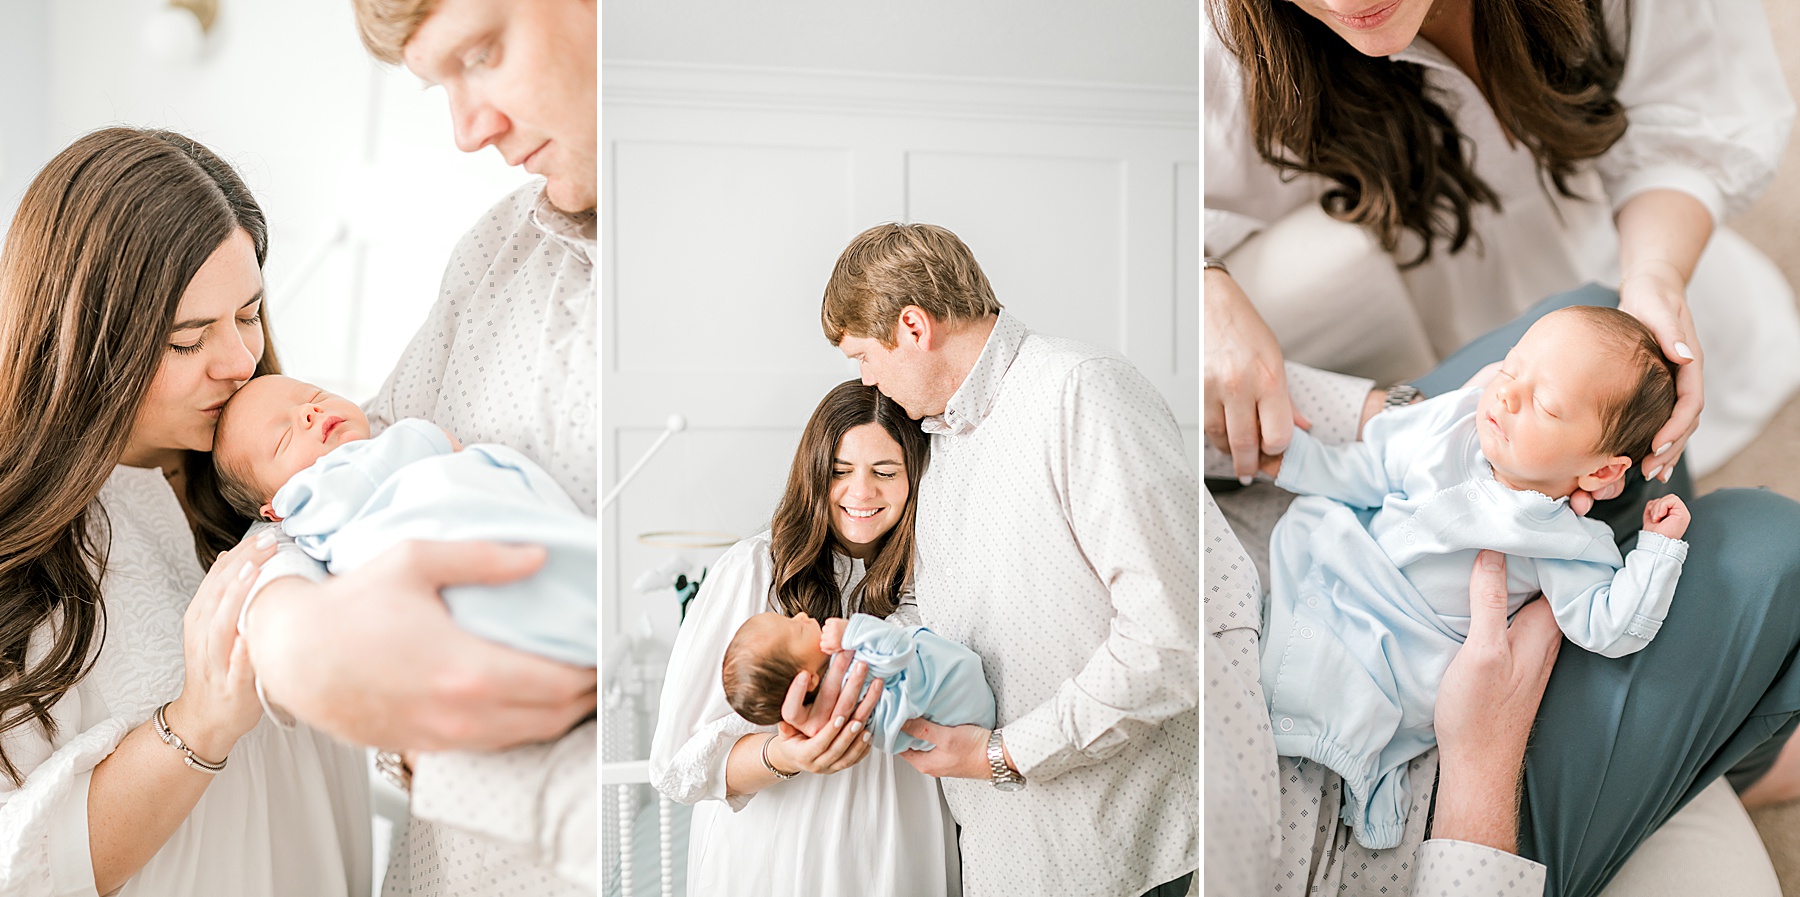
x=1213, y=261
x=187, y=755
x=784, y=776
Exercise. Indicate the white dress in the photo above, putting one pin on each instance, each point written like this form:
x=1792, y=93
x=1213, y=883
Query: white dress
x=289, y=816
x=878, y=829
x=1709, y=115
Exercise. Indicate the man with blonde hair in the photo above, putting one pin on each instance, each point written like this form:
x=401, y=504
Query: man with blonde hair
x=506, y=356
x=1057, y=536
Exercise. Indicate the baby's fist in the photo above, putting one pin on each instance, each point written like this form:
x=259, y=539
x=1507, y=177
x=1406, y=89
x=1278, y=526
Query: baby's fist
x=1666, y=516
x=831, y=635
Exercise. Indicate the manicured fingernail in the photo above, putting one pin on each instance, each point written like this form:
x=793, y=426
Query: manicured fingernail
x=1665, y=474
x=855, y=726
x=1651, y=473
x=866, y=735
x=1246, y=480
x=248, y=571
x=1682, y=350
x=1665, y=446
x=265, y=540
x=837, y=722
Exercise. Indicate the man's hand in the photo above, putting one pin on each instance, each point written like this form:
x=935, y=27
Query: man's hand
x=959, y=752
x=1485, y=708
x=373, y=657
x=1666, y=516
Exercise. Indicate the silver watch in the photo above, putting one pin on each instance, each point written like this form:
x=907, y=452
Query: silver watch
x=1005, y=779
x=1400, y=395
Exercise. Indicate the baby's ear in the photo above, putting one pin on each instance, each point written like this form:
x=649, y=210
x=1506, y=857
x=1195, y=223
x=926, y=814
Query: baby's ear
x=1605, y=475
x=268, y=513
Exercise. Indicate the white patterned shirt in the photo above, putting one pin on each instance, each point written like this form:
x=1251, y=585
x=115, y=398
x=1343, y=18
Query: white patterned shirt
x=1056, y=531
x=1272, y=826
x=508, y=355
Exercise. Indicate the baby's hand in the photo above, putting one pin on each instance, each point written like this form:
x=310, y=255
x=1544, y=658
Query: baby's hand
x=1666, y=516
x=455, y=444
x=1270, y=464
x=831, y=635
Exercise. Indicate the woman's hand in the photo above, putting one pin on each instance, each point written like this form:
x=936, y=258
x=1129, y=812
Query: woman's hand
x=1248, y=412
x=1656, y=294
x=1661, y=235
x=829, y=736
x=218, y=696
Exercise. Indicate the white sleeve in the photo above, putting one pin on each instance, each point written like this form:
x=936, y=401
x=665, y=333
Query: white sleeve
x=541, y=797
x=1133, y=506
x=44, y=848
x=1243, y=193
x=1707, y=107
x=696, y=728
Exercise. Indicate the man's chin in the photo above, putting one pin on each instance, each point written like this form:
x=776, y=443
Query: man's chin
x=570, y=198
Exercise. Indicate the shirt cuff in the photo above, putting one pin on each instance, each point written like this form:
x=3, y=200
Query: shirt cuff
x=1475, y=870
x=71, y=859
x=1657, y=543
x=1669, y=177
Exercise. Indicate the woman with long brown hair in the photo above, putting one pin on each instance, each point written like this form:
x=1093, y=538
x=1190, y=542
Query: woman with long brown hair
x=801, y=808
x=133, y=755
x=1500, y=151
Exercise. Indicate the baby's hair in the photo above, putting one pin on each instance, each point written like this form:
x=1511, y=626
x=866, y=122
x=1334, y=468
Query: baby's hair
x=756, y=681
x=235, y=489
x=1629, y=422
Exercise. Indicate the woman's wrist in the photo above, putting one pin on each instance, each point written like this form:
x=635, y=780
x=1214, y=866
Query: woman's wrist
x=208, y=742
x=775, y=759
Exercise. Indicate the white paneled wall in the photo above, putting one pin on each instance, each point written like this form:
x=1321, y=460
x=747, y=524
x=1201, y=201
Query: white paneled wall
x=727, y=194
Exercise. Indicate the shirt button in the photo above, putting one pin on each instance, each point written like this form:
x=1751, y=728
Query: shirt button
x=1474, y=496
x=1287, y=725
x=1312, y=602
x=580, y=414
x=1410, y=538
x=1306, y=632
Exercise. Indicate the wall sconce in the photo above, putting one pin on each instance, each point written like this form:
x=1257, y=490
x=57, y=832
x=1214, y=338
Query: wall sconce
x=176, y=32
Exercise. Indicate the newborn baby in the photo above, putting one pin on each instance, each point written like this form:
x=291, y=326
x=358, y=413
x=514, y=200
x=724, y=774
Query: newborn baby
x=1369, y=570
x=293, y=453
x=922, y=673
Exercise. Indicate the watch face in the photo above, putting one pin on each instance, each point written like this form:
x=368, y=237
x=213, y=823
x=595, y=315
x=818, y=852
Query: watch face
x=1009, y=785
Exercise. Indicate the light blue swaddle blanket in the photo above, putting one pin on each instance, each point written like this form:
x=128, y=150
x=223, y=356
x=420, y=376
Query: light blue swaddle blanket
x=409, y=483
x=922, y=674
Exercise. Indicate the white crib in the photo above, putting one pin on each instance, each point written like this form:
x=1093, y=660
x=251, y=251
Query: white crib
x=644, y=835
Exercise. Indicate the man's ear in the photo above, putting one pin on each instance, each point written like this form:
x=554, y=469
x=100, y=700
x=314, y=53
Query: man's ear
x=268, y=513
x=1605, y=475
x=915, y=326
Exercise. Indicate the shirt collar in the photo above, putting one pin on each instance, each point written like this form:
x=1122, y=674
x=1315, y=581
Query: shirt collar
x=1424, y=52
x=576, y=231
x=975, y=397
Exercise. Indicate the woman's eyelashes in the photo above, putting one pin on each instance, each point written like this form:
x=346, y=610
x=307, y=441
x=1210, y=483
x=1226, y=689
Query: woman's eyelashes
x=254, y=319
x=882, y=474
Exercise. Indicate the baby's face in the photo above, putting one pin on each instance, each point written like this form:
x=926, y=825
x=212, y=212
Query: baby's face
x=797, y=637
x=1539, y=418
x=275, y=427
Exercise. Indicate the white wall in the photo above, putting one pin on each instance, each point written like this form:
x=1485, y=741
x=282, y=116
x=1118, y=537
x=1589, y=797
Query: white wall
x=320, y=132
x=1065, y=156
x=1146, y=42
